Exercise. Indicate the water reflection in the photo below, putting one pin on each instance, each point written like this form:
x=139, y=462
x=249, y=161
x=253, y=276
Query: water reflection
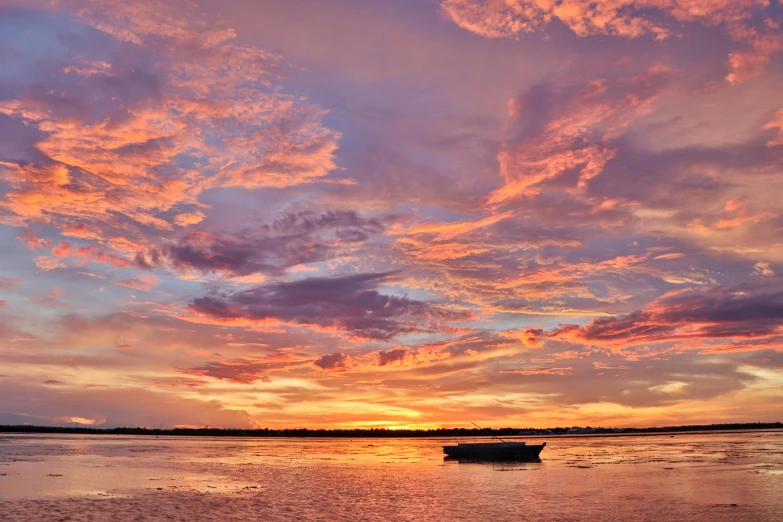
x=490, y=461
x=694, y=477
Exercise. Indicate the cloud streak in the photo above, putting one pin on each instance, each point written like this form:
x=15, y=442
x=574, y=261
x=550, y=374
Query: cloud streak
x=350, y=304
x=291, y=240
x=715, y=314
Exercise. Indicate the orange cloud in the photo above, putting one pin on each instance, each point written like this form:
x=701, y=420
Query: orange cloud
x=89, y=254
x=81, y=231
x=204, y=115
x=629, y=19
x=447, y=231
x=574, y=135
x=504, y=18
x=190, y=218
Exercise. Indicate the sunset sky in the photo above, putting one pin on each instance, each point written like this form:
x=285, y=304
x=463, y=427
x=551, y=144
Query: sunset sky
x=391, y=213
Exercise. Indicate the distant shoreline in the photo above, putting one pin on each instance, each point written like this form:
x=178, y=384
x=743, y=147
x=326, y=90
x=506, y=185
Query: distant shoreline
x=391, y=433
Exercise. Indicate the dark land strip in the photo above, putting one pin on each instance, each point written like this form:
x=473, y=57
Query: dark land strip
x=390, y=433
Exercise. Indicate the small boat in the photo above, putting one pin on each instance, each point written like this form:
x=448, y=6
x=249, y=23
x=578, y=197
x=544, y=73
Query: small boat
x=494, y=451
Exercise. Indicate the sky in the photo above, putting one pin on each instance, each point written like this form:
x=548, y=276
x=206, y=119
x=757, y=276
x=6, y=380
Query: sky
x=391, y=213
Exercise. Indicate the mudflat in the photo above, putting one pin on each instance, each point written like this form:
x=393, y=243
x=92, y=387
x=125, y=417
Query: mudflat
x=714, y=476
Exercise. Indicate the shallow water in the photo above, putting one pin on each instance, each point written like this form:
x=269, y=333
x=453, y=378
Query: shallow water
x=727, y=476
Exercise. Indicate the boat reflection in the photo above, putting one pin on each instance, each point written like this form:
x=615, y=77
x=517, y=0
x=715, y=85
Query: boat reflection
x=509, y=462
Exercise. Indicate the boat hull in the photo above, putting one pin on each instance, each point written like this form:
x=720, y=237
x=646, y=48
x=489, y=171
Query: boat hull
x=502, y=451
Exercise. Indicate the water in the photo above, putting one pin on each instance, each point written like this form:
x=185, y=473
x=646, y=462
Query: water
x=727, y=476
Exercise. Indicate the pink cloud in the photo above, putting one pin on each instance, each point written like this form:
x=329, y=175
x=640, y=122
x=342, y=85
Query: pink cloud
x=144, y=282
x=334, y=362
x=47, y=263
x=249, y=370
x=411, y=357
x=113, y=407
x=95, y=254
x=8, y=282
x=716, y=314
x=541, y=370
x=32, y=241
x=748, y=64
x=50, y=298
x=776, y=124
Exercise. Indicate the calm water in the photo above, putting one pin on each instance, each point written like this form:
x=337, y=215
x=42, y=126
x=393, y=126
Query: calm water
x=736, y=476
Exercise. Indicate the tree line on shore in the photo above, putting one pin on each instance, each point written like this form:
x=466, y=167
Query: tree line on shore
x=378, y=432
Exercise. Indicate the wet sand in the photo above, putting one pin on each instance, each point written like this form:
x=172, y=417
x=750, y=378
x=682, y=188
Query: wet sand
x=685, y=477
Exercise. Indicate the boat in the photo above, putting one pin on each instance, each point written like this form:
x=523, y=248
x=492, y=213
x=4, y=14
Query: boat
x=494, y=451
